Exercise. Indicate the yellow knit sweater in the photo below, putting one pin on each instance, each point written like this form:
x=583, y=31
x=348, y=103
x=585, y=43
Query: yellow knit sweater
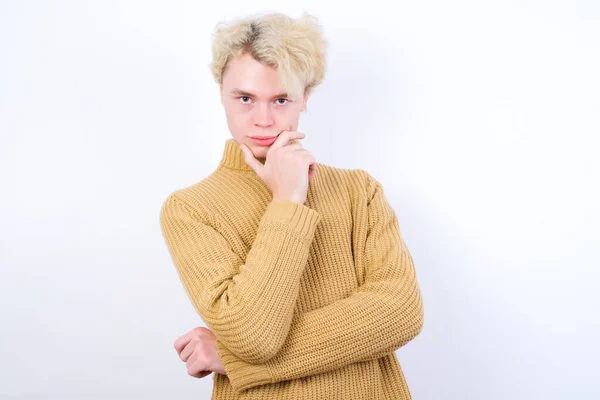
x=307, y=301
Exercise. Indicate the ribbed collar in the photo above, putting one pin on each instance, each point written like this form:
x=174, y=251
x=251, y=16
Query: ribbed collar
x=233, y=157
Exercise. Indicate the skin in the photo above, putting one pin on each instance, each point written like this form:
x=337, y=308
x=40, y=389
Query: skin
x=197, y=348
x=261, y=109
x=263, y=113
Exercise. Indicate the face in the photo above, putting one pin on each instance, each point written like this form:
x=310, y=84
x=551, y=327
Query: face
x=256, y=105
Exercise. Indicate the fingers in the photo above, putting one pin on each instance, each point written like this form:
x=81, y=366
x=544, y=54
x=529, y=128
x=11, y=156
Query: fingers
x=301, y=152
x=198, y=367
x=183, y=340
x=311, y=161
x=190, y=349
x=284, y=137
x=298, y=149
x=293, y=147
x=187, y=351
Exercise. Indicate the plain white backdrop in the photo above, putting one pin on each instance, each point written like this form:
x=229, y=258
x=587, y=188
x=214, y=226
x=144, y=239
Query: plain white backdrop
x=481, y=120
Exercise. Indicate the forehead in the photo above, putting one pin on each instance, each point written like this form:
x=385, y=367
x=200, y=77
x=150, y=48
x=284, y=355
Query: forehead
x=246, y=76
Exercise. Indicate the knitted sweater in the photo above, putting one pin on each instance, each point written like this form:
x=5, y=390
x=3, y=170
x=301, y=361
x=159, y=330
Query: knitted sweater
x=307, y=301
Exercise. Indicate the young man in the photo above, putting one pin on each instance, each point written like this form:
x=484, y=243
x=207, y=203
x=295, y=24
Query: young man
x=298, y=269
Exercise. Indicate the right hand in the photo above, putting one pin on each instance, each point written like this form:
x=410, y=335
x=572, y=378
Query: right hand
x=287, y=167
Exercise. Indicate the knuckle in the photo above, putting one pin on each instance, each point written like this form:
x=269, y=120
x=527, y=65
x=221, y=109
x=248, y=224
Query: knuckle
x=201, y=330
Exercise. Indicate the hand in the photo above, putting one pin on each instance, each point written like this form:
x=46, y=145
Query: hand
x=287, y=169
x=198, y=349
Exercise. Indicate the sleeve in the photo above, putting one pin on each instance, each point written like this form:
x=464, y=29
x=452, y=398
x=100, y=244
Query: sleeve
x=249, y=304
x=380, y=316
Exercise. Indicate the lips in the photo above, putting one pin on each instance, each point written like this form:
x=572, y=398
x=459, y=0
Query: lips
x=264, y=142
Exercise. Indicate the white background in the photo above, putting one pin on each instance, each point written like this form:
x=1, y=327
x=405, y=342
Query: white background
x=480, y=118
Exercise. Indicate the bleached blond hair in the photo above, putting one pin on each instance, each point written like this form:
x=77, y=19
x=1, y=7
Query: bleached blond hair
x=297, y=48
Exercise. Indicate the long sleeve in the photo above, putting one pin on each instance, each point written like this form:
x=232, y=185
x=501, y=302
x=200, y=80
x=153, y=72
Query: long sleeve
x=248, y=304
x=380, y=316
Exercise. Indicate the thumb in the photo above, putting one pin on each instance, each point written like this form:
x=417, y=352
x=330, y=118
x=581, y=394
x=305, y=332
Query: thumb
x=251, y=160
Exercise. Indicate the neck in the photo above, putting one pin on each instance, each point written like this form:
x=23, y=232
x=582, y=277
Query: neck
x=233, y=157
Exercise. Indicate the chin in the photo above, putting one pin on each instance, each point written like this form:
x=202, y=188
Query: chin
x=258, y=151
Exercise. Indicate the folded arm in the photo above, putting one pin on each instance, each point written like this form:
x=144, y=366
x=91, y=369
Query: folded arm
x=249, y=304
x=380, y=316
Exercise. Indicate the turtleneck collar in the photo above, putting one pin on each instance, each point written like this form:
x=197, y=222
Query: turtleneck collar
x=233, y=157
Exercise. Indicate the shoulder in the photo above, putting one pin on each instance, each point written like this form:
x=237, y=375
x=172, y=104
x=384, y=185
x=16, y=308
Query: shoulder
x=192, y=200
x=354, y=180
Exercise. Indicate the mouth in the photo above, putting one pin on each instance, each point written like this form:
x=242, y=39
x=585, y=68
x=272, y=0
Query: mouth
x=269, y=140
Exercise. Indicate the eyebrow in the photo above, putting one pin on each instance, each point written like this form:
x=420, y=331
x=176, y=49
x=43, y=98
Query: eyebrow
x=244, y=93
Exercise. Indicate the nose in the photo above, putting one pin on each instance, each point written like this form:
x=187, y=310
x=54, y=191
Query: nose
x=263, y=115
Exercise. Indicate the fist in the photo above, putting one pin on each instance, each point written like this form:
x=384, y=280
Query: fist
x=198, y=349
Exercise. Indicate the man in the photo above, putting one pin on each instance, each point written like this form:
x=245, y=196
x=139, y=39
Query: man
x=297, y=268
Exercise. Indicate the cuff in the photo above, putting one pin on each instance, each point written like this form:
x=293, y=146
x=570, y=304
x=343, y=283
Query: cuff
x=292, y=217
x=242, y=375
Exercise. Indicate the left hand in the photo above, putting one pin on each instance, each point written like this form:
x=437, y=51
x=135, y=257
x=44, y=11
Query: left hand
x=198, y=349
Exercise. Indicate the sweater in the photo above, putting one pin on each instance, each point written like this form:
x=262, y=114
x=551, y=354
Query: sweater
x=307, y=301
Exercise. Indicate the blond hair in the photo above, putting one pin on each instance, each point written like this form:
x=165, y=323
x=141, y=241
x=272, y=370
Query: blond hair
x=296, y=48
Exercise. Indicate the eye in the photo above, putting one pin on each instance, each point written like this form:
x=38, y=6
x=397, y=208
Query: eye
x=244, y=97
x=283, y=100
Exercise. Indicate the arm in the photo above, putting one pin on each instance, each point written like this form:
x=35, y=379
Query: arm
x=247, y=305
x=380, y=316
